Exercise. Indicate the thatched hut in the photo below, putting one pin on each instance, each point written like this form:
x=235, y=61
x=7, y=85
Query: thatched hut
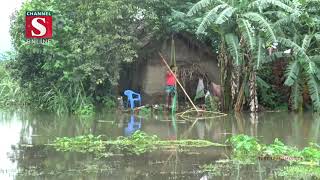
x=194, y=60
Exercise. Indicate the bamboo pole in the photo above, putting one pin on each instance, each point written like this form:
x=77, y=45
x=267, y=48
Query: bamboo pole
x=194, y=106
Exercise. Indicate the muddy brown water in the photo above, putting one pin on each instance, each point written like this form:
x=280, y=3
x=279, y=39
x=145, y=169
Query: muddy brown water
x=24, y=133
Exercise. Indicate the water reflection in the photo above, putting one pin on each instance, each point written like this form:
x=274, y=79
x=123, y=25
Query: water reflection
x=132, y=126
x=23, y=128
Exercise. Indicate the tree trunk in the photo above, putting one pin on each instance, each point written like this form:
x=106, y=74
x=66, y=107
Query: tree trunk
x=253, y=91
x=235, y=83
x=225, y=78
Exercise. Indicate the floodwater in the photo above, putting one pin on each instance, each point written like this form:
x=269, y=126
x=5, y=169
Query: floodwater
x=24, y=134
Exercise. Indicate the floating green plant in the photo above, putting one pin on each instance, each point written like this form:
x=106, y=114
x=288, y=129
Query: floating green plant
x=299, y=172
x=83, y=144
x=246, y=148
x=137, y=144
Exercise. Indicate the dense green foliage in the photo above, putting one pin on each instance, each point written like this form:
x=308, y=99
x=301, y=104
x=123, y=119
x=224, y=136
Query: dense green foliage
x=247, y=30
x=10, y=91
x=80, y=67
x=93, y=42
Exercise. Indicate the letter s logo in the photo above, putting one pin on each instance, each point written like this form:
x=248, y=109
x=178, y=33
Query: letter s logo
x=38, y=26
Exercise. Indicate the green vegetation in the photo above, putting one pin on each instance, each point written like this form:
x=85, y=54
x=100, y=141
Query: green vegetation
x=245, y=147
x=76, y=170
x=299, y=172
x=136, y=144
x=248, y=153
x=80, y=67
x=94, y=42
x=248, y=149
x=218, y=169
x=247, y=30
x=81, y=144
x=10, y=91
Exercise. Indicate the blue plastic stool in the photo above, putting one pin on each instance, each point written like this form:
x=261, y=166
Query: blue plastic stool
x=132, y=97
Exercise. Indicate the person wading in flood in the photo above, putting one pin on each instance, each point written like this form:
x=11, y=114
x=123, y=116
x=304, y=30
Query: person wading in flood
x=170, y=86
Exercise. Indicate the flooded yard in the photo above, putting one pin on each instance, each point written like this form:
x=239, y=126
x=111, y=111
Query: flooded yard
x=25, y=134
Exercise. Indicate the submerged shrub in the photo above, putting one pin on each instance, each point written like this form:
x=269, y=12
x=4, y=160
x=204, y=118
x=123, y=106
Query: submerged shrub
x=245, y=147
x=311, y=153
x=278, y=148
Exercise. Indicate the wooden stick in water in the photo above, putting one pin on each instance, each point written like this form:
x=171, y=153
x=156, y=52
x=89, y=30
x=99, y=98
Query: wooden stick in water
x=194, y=106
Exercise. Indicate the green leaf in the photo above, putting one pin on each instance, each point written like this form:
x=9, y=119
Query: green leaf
x=234, y=47
x=201, y=5
x=314, y=92
x=300, y=53
x=210, y=18
x=225, y=15
x=306, y=41
x=293, y=71
x=248, y=32
x=263, y=24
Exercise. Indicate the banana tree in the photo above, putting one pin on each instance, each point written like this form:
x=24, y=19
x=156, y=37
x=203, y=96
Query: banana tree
x=300, y=33
x=303, y=73
x=245, y=30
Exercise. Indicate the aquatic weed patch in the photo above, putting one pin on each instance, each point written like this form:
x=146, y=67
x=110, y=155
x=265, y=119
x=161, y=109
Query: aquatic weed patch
x=246, y=148
x=83, y=169
x=299, y=172
x=83, y=144
x=218, y=169
x=137, y=144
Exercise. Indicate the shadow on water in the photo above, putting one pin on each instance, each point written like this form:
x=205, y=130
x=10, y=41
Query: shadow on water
x=24, y=155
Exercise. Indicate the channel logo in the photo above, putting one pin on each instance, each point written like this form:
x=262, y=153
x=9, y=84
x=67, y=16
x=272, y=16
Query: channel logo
x=38, y=24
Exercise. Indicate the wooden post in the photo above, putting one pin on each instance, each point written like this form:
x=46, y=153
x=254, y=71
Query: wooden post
x=162, y=58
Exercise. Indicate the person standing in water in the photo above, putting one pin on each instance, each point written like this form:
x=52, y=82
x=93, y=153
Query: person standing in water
x=170, y=86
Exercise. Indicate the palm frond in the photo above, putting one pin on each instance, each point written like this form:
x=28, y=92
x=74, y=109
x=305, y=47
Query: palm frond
x=260, y=53
x=306, y=42
x=201, y=5
x=234, y=47
x=287, y=20
x=248, y=33
x=210, y=18
x=263, y=24
x=224, y=15
x=261, y=83
x=293, y=71
x=278, y=14
x=317, y=36
x=255, y=4
x=264, y=4
x=296, y=96
x=314, y=92
x=315, y=59
x=300, y=53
